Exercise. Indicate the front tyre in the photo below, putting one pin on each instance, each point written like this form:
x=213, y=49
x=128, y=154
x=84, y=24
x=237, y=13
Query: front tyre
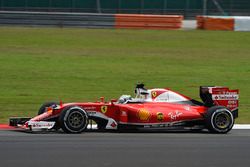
x=43, y=108
x=219, y=119
x=73, y=119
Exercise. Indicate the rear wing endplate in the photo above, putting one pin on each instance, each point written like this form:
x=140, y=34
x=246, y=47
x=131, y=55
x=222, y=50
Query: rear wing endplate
x=223, y=96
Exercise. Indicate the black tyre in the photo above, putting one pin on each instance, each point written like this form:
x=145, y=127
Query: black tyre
x=73, y=119
x=42, y=109
x=219, y=119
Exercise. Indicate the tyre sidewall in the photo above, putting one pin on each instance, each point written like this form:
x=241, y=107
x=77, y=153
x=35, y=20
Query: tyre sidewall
x=42, y=109
x=64, y=119
x=210, y=119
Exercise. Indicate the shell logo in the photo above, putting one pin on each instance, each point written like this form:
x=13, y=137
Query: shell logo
x=144, y=114
x=154, y=94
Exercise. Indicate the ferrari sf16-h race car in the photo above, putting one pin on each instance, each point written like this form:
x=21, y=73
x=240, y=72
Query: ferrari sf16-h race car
x=150, y=109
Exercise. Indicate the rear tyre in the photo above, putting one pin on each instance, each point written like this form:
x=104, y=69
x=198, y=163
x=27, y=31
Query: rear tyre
x=73, y=119
x=219, y=119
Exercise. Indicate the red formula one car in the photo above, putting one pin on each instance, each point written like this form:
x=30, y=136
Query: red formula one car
x=150, y=109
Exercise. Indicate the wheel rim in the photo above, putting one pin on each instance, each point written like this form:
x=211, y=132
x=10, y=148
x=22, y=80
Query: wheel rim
x=76, y=119
x=222, y=120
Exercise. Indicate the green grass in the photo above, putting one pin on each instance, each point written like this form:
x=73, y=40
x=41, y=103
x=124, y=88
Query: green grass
x=44, y=64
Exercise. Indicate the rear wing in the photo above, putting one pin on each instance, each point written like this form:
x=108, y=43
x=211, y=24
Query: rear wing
x=223, y=96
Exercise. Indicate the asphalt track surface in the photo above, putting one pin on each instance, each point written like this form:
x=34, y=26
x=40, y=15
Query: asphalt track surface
x=98, y=149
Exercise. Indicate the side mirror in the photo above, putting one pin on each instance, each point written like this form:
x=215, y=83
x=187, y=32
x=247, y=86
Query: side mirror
x=102, y=99
x=113, y=101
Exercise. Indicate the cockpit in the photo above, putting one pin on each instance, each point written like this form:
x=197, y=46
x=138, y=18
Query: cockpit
x=153, y=95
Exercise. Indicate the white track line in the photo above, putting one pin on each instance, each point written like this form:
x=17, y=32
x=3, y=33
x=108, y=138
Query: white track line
x=241, y=126
x=236, y=126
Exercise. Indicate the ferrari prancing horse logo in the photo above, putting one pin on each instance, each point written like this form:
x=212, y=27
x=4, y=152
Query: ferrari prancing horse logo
x=104, y=109
x=154, y=94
